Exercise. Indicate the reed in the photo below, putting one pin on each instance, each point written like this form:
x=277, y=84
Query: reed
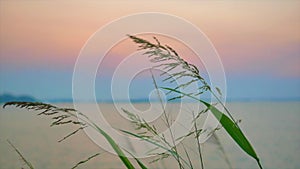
x=168, y=59
x=175, y=67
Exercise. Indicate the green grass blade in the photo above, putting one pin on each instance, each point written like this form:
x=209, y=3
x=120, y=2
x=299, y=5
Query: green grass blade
x=138, y=161
x=231, y=128
x=234, y=131
x=116, y=148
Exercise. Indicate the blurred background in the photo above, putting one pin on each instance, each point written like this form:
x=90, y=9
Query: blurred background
x=258, y=43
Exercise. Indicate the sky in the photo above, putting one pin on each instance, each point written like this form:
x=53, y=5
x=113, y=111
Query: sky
x=258, y=43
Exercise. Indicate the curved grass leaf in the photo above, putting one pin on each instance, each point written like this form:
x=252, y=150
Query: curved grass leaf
x=232, y=129
x=117, y=149
x=137, y=160
x=140, y=163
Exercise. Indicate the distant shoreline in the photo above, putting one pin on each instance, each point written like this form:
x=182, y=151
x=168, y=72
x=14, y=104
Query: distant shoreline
x=8, y=97
x=157, y=101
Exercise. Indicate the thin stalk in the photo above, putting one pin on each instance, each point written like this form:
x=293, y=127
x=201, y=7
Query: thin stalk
x=187, y=156
x=171, y=151
x=86, y=160
x=22, y=157
x=166, y=118
x=198, y=143
x=218, y=99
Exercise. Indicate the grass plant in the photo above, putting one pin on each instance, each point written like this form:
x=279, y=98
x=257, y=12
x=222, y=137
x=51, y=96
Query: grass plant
x=175, y=67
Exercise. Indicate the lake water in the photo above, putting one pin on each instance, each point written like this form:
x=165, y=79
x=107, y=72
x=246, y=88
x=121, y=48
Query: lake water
x=272, y=128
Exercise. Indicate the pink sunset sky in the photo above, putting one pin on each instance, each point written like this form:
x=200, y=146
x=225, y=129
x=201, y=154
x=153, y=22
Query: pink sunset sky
x=257, y=41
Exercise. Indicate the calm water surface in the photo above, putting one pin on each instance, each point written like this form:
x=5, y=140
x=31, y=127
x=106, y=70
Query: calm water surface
x=272, y=127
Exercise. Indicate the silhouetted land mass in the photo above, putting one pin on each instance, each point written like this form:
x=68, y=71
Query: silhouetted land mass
x=60, y=100
x=27, y=98
x=9, y=97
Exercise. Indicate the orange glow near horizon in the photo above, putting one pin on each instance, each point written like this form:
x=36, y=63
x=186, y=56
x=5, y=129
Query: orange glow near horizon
x=244, y=33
